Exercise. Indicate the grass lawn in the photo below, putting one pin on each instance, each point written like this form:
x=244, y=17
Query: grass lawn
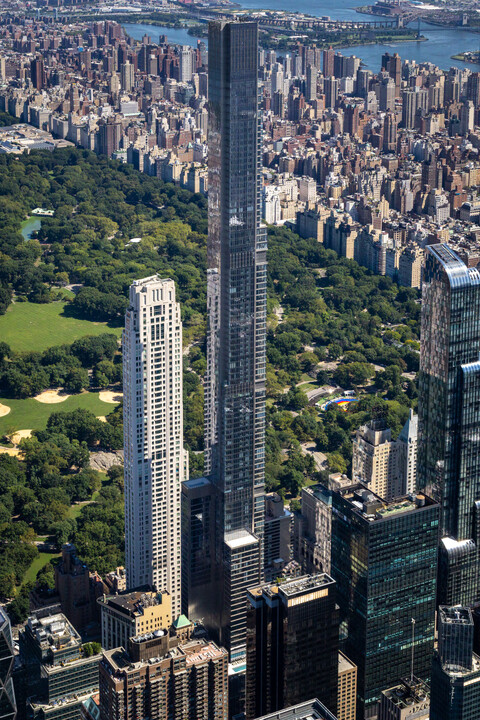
x=75, y=510
x=37, y=565
x=30, y=326
x=30, y=414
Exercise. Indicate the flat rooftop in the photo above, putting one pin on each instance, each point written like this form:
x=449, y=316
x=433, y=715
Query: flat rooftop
x=240, y=538
x=455, y=615
x=133, y=603
x=407, y=693
x=344, y=664
x=200, y=651
x=54, y=632
x=197, y=482
x=310, y=710
x=374, y=508
x=293, y=588
x=304, y=584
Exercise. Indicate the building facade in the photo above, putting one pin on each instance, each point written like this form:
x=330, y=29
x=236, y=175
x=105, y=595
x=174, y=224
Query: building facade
x=347, y=688
x=384, y=562
x=292, y=644
x=311, y=710
x=456, y=668
x=130, y=613
x=386, y=466
x=7, y=694
x=449, y=415
x=59, y=672
x=236, y=305
x=155, y=461
x=409, y=700
x=165, y=681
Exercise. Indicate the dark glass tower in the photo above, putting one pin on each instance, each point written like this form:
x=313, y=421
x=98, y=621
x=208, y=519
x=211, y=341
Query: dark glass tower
x=455, y=687
x=236, y=299
x=8, y=708
x=449, y=415
x=292, y=645
x=235, y=402
x=384, y=562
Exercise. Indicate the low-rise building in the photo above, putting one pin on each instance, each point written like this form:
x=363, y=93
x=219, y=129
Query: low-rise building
x=132, y=613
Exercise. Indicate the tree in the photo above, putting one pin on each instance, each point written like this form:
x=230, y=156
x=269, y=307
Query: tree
x=295, y=399
x=336, y=463
x=76, y=380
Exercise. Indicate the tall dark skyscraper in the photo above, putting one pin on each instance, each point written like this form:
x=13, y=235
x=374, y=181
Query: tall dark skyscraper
x=37, y=73
x=384, y=562
x=236, y=301
x=292, y=645
x=449, y=416
x=455, y=687
x=7, y=695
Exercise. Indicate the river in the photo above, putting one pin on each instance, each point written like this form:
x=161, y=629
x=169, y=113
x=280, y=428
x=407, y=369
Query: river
x=440, y=45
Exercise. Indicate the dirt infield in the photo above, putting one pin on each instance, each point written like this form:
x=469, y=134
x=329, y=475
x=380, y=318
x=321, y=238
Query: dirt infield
x=110, y=397
x=51, y=397
x=4, y=410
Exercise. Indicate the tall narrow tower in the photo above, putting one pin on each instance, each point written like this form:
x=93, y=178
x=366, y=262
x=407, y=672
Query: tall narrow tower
x=449, y=416
x=236, y=300
x=153, y=436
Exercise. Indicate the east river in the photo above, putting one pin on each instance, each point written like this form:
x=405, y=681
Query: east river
x=440, y=45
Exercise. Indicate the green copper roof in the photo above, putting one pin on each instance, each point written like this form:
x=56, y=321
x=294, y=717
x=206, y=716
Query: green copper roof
x=181, y=622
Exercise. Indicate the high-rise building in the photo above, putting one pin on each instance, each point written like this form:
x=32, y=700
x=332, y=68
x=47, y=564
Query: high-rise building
x=277, y=535
x=155, y=461
x=390, y=133
x=37, y=73
x=409, y=700
x=127, y=76
x=236, y=305
x=455, y=688
x=347, y=689
x=109, y=136
x=313, y=530
x=455, y=636
x=7, y=696
x=198, y=549
x=473, y=88
x=59, y=673
x=467, y=117
x=393, y=65
x=186, y=63
x=386, y=466
x=331, y=87
x=311, y=83
x=292, y=644
x=76, y=592
x=414, y=105
x=387, y=94
x=163, y=679
x=384, y=562
x=311, y=710
x=328, y=57
x=449, y=416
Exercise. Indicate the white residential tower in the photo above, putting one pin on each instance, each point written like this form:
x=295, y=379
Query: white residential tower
x=155, y=461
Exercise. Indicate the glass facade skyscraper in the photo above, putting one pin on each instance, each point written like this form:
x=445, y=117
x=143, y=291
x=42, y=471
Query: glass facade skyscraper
x=8, y=708
x=455, y=688
x=449, y=415
x=384, y=562
x=237, y=277
x=292, y=644
x=236, y=302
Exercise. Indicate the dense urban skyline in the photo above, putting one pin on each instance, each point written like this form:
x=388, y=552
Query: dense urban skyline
x=309, y=549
